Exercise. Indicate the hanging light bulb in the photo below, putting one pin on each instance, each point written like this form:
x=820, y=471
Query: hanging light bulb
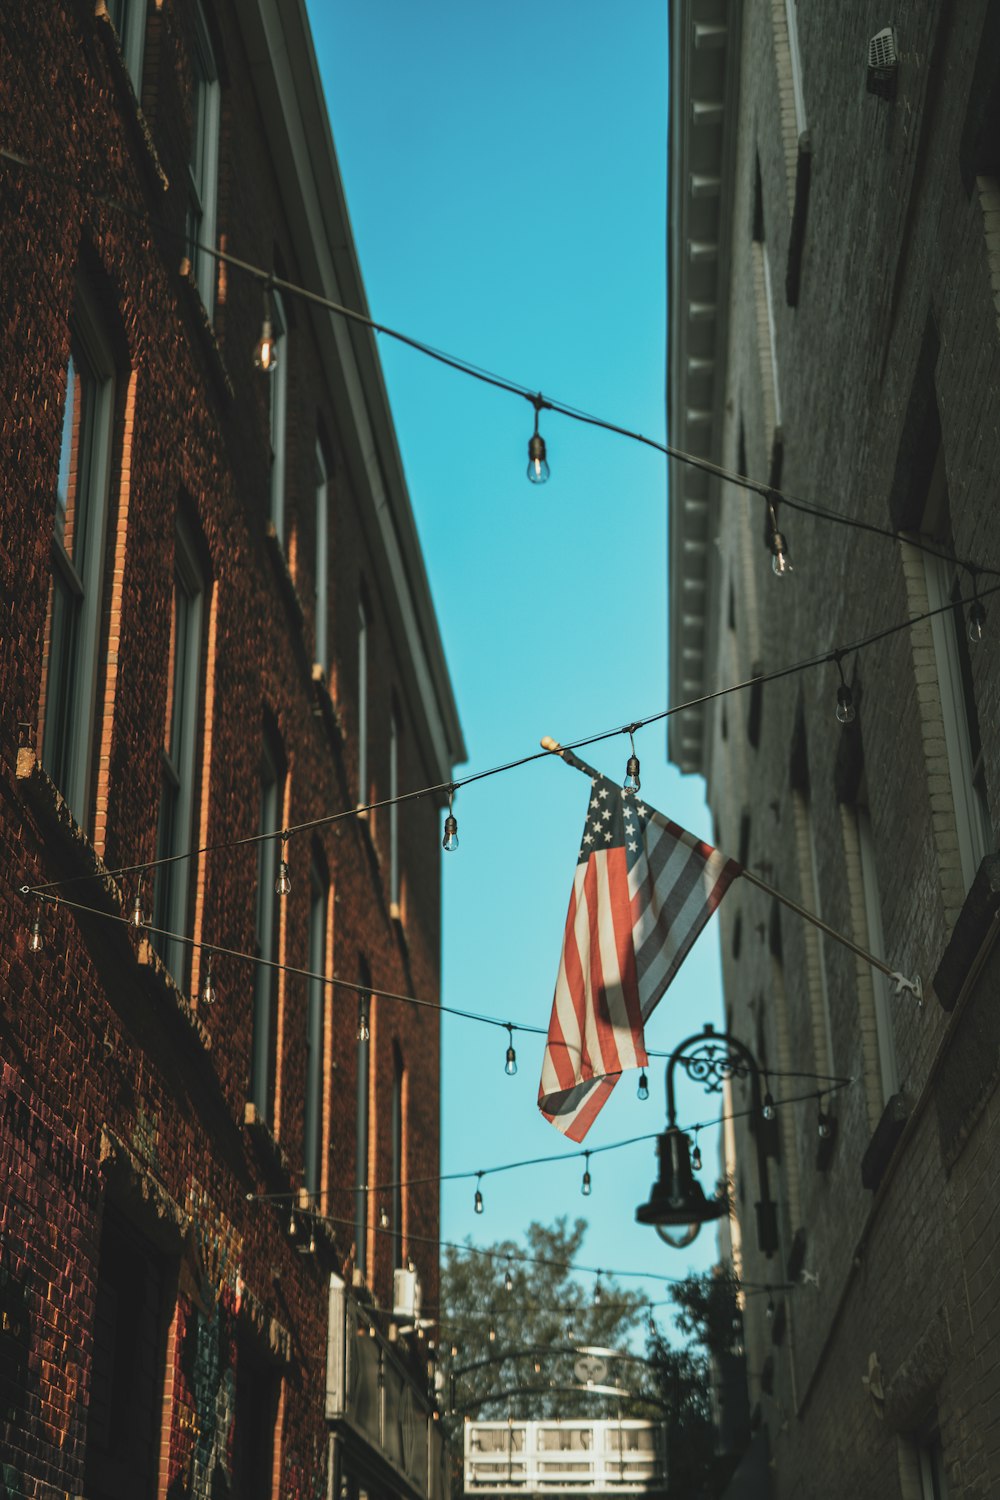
x=778, y=544
x=846, y=713
x=364, y=1033
x=823, y=1126
x=769, y=1310
x=491, y=1333
x=283, y=884
x=768, y=1110
x=538, y=469
x=266, y=353
x=293, y=1226
x=631, y=783
x=450, y=840
x=538, y=1367
x=312, y=1242
x=137, y=916
x=977, y=614
x=597, y=1290
x=208, y=988
x=510, y=1066
x=36, y=942
x=585, y=1185
x=696, y=1154
x=508, y=1280
x=642, y=1092
x=383, y=1218
x=477, y=1202
x=454, y=1351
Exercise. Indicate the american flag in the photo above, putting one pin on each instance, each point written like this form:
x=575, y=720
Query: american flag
x=643, y=890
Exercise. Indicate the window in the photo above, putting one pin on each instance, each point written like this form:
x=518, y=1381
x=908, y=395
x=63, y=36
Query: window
x=795, y=58
x=126, y=1383
x=315, y=1010
x=921, y=1467
x=320, y=653
x=394, y=878
x=362, y=702
x=876, y=945
x=78, y=547
x=258, y=1398
x=265, y=1000
x=954, y=671
x=129, y=20
x=398, y=1163
x=278, y=386
x=365, y=1000
x=203, y=168
x=179, y=756
x=767, y=342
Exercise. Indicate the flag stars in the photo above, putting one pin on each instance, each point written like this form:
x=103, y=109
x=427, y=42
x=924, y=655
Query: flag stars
x=606, y=815
x=603, y=793
x=588, y=838
x=632, y=846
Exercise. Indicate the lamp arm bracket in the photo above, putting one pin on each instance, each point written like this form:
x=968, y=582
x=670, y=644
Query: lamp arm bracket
x=913, y=986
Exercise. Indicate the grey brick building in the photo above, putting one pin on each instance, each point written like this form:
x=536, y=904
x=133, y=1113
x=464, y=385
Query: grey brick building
x=834, y=286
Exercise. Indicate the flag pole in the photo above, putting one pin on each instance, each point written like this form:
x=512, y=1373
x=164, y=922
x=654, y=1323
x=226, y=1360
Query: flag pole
x=913, y=986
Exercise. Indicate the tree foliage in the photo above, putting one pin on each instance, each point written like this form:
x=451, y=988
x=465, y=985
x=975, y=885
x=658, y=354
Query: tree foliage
x=546, y=1317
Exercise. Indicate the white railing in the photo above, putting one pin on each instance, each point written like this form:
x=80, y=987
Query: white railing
x=599, y=1457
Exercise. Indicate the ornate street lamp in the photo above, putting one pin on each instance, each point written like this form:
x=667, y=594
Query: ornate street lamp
x=677, y=1200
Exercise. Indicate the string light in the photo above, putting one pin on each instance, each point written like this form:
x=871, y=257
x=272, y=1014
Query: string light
x=642, y=1092
x=137, y=917
x=538, y=468
x=631, y=783
x=364, y=1032
x=477, y=1202
x=508, y=1280
x=36, y=942
x=585, y=1184
x=283, y=884
x=510, y=1066
x=208, y=988
x=293, y=1226
x=769, y=1310
x=977, y=614
x=846, y=713
x=778, y=544
x=454, y=1351
x=312, y=1242
x=597, y=1290
x=492, y=1331
x=768, y=1110
x=696, y=1151
x=266, y=354
x=824, y=1126
x=450, y=841
x=383, y=1217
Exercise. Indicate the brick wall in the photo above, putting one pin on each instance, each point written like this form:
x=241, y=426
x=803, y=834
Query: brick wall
x=142, y=1090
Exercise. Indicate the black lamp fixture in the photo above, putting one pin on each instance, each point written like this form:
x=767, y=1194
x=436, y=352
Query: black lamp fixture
x=677, y=1206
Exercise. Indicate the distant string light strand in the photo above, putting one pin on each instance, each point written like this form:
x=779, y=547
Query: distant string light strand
x=538, y=466
x=449, y=788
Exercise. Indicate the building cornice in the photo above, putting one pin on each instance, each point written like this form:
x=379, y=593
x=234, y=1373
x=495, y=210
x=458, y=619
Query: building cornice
x=704, y=99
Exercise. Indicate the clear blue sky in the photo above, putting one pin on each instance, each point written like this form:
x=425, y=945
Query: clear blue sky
x=505, y=169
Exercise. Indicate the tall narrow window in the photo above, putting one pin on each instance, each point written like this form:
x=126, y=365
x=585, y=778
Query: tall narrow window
x=178, y=757
x=81, y=509
x=315, y=1008
x=795, y=58
x=394, y=881
x=265, y=1000
x=203, y=167
x=397, y=1157
x=767, y=340
x=361, y=1120
x=278, y=387
x=362, y=702
x=320, y=653
x=876, y=944
x=129, y=19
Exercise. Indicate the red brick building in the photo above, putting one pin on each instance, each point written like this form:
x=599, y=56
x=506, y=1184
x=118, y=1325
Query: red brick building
x=216, y=624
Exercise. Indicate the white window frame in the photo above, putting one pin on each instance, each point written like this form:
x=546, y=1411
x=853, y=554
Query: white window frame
x=972, y=823
x=129, y=20
x=320, y=650
x=203, y=168
x=888, y=1062
x=78, y=572
x=179, y=754
x=312, y=1125
x=363, y=623
x=278, y=382
x=394, y=867
x=266, y=935
x=795, y=58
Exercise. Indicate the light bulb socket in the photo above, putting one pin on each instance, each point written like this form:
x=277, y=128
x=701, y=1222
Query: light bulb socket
x=208, y=988
x=696, y=1159
x=283, y=884
x=510, y=1066
x=538, y=468
x=586, y=1185
x=631, y=782
x=137, y=917
x=478, y=1202
x=450, y=840
x=846, y=713
x=36, y=942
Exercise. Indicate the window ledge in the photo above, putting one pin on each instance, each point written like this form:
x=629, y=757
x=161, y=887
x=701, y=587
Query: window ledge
x=286, y=583
x=268, y=1149
x=148, y=156
x=56, y=818
x=972, y=937
x=165, y=987
x=206, y=332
